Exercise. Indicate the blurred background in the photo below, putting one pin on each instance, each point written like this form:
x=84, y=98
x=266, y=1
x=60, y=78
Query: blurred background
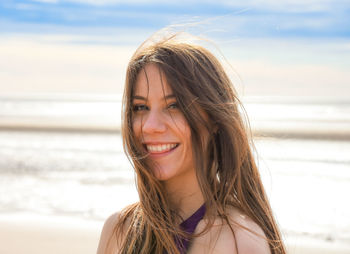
x=62, y=70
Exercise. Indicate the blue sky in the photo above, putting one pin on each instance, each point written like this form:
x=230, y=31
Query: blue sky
x=250, y=18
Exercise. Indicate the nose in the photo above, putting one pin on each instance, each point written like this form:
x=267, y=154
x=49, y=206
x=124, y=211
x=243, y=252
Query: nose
x=153, y=122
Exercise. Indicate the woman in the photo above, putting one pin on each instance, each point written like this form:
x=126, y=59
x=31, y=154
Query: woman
x=198, y=184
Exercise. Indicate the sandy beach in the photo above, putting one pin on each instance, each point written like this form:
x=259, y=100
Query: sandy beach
x=57, y=235
x=65, y=181
x=45, y=234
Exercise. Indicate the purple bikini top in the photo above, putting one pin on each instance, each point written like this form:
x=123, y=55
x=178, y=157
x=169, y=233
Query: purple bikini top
x=189, y=225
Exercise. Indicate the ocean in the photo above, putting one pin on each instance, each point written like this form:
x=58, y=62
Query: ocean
x=64, y=156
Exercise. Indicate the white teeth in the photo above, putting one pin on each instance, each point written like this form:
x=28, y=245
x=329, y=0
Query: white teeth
x=160, y=148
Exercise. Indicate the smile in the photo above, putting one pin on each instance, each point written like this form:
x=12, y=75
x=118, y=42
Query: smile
x=160, y=148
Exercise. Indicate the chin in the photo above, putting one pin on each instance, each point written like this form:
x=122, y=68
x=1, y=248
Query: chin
x=162, y=175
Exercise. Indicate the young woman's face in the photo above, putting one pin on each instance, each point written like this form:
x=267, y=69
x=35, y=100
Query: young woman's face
x=160, y=126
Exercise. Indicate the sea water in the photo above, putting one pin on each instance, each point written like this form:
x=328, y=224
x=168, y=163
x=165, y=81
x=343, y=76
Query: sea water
x=86, y=174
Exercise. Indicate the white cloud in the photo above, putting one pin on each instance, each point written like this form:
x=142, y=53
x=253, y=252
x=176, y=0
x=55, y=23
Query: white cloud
x=288, y=5
x=26, y=7
x=47, y=1
x=28, y=65
x=45, y=64
x=111, y=2
x=276, y=5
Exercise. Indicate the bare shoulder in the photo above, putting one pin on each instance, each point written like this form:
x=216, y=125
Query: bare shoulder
x=248, y=237
x=106, y=244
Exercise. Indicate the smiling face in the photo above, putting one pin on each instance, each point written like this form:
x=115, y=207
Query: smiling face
x=160, y=126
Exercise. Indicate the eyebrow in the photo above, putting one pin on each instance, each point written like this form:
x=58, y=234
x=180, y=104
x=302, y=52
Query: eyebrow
x=139, y=97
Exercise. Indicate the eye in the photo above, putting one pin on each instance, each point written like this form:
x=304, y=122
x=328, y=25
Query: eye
x=139, y=107
x=173, y=105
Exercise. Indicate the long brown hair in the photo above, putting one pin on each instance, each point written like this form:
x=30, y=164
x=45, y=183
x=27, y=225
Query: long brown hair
x=225, y=167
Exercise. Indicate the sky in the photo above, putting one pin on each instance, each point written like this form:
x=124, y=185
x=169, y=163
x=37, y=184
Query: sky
x=82, y=46
x=249, y=18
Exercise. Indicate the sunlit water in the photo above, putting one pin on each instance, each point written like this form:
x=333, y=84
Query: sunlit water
x=86, y=174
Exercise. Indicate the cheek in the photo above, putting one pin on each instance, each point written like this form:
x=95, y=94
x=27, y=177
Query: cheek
x=180, y=124
x=184, y=131
x=136, y=126
x=137, y=133
x=187, y=134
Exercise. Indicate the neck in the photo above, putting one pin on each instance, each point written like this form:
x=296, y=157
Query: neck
x=185, y=195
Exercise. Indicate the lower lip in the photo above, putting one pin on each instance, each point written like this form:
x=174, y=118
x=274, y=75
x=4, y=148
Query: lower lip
x=156, y=155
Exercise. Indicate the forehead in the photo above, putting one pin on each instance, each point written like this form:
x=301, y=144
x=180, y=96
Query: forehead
x=151, y=80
